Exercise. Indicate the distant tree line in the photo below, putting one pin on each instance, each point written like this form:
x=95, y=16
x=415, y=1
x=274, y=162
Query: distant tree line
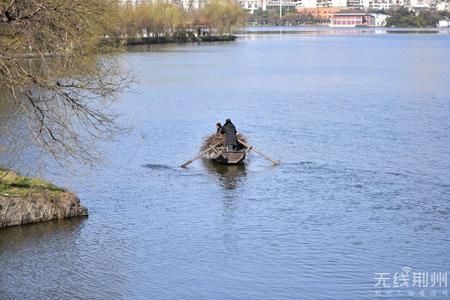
x=165, y=19
x=289, y=17
x=404, y=17
x=399, y=17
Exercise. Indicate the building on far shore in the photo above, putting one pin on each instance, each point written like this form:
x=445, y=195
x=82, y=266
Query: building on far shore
x=332, y=3
x=355, y=4
x=358, y=20
x=321, y=4
x=301, y=5
x=323, y=13
x=442, y=6
x=252, y=5
x=284, y=3
x=443, y=24
x=420, y=3
x=307, y=4
x=352, y=20
x=387, y=4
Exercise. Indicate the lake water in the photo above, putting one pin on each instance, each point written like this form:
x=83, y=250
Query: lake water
x=361, y=125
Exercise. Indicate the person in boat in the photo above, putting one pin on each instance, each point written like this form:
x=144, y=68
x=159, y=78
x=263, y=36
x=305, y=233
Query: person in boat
x=219, y=127
x=229, y=130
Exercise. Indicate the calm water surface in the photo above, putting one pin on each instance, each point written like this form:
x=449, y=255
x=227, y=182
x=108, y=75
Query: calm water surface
x=361, y=124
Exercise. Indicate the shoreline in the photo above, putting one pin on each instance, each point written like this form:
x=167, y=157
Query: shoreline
x=26, y=200
x=335, y=30
x=179, y=40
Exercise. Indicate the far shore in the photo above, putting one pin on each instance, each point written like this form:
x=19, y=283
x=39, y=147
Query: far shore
x=323, y=29
x=178, y=39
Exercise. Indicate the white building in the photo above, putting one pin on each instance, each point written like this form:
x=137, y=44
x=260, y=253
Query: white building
x=386, y=4
x=253, y=5
x=331, y=3
x=284, y=3
x=308, y=3
x=338, y=3
x=186, y=4
x=380, y=19
x=443, y=24
x=420, y=3
x=355, y=4
x=442, y=6
x=365, y=4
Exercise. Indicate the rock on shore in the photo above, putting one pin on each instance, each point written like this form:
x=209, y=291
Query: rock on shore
x=40, y=207
x=44, y=206
x=25, y=200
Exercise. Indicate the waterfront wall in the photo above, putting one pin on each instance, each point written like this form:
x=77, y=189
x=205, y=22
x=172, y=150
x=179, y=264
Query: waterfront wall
x=41, y=207
x=180, y=39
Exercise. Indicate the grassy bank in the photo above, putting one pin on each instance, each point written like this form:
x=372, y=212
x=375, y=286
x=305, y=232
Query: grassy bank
x=26, y=200
x=14, y=185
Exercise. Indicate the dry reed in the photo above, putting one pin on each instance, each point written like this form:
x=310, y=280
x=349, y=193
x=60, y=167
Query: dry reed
x=217, y=140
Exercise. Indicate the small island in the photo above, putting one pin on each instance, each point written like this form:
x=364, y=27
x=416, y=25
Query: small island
x=25, y=200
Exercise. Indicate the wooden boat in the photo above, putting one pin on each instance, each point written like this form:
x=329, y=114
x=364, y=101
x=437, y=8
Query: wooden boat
x=230, y=157
x=221, y=155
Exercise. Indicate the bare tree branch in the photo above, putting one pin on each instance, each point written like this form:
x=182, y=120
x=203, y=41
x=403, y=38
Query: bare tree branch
x=58, y=69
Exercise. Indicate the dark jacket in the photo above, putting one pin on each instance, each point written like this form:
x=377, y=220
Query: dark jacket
x=230, y=134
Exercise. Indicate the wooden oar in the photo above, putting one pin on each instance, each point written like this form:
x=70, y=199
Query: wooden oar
x=213, y=149
x=198, y=156
x=251, y=148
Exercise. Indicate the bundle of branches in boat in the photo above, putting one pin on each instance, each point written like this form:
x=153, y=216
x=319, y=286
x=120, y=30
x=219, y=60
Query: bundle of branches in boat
x=217, y=140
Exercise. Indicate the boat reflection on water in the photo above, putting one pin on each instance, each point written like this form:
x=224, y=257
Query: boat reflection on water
x=230, y=176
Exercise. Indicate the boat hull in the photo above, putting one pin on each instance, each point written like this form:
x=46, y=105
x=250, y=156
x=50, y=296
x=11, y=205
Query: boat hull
x=230, y=157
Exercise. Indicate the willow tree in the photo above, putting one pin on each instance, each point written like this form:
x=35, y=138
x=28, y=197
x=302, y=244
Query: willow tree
x=58, y=69
x=173, y=16
x=129, y=22
x=223, y=15
x=153, y=19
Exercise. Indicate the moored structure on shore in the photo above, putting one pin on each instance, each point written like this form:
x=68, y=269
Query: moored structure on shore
x=358, y=20
x=443, y=24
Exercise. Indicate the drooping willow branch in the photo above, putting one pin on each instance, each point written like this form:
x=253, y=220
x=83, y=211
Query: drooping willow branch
x=58, y=69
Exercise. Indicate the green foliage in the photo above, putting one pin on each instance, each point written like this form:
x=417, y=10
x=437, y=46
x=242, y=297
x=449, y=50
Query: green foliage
x=265, y=17
x=151, y=19
x=376, y=11
x=14, y=185
x=289, y=17
x=223, y=15
x=165, y=19
x=403, y=17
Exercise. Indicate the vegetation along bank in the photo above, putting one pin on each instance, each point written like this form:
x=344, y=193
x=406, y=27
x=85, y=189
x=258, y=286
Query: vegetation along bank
x=25, y=200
